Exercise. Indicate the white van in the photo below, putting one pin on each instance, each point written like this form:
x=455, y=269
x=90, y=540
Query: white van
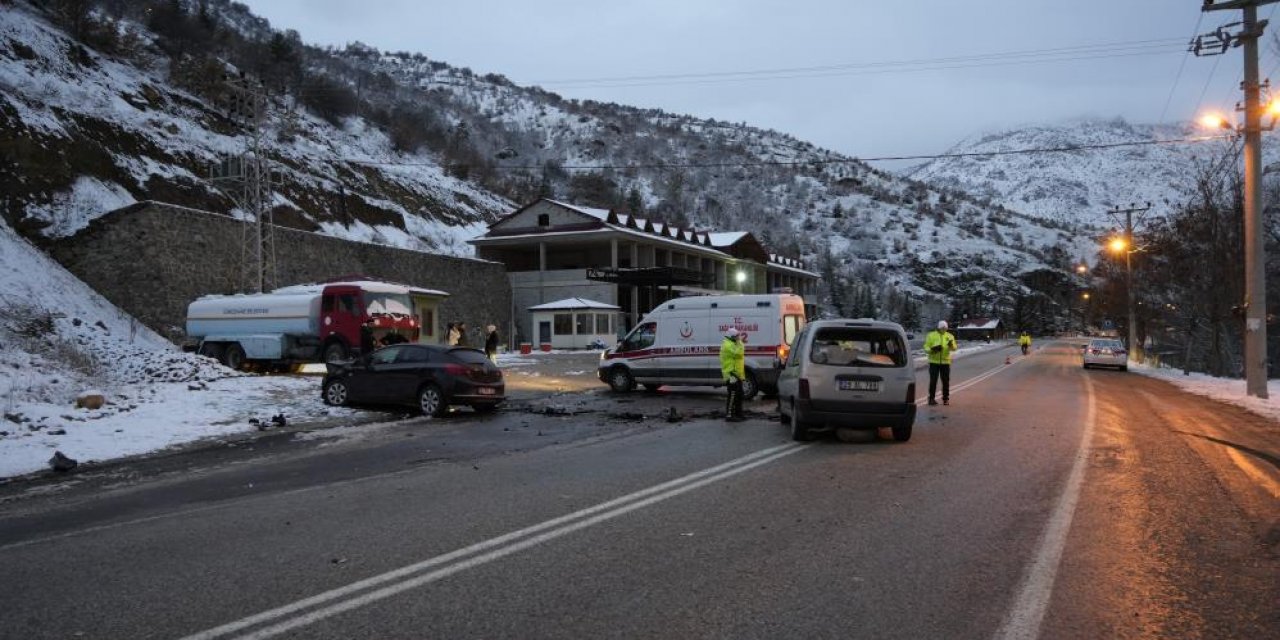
x=678, y=343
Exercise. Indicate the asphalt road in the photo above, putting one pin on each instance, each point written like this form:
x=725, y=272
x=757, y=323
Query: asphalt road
x=1045, y=501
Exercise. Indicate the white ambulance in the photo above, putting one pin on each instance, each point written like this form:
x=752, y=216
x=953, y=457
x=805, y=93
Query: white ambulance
x=678, y=343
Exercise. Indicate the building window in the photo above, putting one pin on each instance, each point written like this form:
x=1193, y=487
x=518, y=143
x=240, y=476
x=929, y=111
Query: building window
x=582, y=324
x=544, y=220
x=563, y=324
x=602, y=324
x=429, y=322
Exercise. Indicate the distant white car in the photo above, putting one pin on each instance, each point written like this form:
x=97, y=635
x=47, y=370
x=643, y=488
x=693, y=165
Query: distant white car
x=1105, y=352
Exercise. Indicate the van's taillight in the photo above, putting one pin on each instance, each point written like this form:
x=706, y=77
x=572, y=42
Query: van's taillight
x=783, y=352
x=804, y=388
x=911, y=393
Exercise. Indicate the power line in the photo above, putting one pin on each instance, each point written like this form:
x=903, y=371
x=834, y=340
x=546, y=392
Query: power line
x=1078, y=49
x=819, y=161
x=1148, y=51
x=1181, y=66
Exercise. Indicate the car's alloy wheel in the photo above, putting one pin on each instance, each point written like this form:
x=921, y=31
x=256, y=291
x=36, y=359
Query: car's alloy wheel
x=432, y=402
x=749, y=386
x=336, y=394
x=799, y=432
x=620, y=380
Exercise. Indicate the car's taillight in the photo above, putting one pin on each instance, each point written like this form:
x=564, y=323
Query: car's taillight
x=804, y=388
x=455, y=369
x=911, y=393
x=783, y=352
x=1094, y=351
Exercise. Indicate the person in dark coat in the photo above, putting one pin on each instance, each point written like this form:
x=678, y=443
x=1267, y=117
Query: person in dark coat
x=462, y=335
x=491, y=343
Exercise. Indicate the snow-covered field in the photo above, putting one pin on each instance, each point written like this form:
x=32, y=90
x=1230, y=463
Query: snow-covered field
x=1228, y=390
x=60, y=340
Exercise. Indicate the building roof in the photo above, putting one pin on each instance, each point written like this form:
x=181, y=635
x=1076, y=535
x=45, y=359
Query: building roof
x=726, y=238
x=599, y=214
x=979, y=324
x=714, y=243
x=570, y=304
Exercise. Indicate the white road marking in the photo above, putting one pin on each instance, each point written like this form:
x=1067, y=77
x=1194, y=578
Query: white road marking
x=1023, y=620
x=968, y=383
x=549, y=530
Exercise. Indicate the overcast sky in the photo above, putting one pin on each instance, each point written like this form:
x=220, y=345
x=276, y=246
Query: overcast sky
x=888, y=111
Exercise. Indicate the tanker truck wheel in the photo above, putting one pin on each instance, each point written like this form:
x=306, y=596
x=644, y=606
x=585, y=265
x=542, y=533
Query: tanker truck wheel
x=211, y=350
x=334, y=352
x=233, y=357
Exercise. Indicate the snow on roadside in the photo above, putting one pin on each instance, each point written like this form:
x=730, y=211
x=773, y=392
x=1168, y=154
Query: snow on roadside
x=1228, y=390
x=59, y=340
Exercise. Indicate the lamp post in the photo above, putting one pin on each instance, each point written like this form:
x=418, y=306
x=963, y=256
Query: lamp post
x=1124, y=244
x=1084, y=310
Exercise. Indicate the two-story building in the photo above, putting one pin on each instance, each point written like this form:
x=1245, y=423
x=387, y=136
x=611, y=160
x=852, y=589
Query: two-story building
x=553, y=251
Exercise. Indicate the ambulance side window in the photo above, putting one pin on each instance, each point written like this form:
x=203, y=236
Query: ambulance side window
x=790, y=325
x=641, y=338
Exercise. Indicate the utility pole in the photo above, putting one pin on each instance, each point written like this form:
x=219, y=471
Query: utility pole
x=1255, y=293
x=1128, y=248
x=247, y=105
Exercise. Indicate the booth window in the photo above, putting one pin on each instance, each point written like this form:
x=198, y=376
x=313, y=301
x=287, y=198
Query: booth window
x=562, y=324
x=582, y=324
x=602, y=324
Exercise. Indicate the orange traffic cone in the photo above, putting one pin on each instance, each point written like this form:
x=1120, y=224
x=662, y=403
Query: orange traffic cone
x=1008, y=360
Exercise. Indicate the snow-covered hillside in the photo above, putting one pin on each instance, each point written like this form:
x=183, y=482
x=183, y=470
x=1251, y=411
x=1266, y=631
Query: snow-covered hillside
x=405, y=150
x=59, y=340
x=1077, y=187
x=89, y=133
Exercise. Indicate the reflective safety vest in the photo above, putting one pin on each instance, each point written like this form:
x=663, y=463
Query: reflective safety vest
x=942, y=339
x=733, y=359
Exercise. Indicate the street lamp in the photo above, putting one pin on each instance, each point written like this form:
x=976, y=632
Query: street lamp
x=741, y=277
x=1082, y=269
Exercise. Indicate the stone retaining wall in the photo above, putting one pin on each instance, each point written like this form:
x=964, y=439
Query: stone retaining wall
x=152, y=259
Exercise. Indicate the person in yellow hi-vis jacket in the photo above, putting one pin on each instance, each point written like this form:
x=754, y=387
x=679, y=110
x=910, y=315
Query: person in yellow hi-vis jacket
x=938, y=345
x=1024, y=341
x=733, y=368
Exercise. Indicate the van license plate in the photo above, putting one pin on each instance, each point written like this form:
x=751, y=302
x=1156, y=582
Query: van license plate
x=859, y=385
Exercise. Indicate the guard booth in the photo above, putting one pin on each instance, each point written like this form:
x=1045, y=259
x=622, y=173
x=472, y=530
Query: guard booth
x=574, y=323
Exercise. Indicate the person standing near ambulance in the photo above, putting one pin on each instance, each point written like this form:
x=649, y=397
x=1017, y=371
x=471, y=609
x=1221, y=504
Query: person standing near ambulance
x=938, y=345
x=733, y=370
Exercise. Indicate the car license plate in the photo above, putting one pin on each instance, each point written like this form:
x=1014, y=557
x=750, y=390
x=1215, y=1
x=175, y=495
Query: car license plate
x=859, y=385
x=486, y=391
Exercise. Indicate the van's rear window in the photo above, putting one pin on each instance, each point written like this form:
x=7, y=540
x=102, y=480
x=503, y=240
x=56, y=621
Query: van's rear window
x=857, y=347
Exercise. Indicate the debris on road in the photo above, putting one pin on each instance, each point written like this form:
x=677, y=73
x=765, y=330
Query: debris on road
x=62, y=463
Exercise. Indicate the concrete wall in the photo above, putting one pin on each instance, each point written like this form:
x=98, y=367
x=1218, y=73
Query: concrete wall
x=532, y=288
x=152, y=259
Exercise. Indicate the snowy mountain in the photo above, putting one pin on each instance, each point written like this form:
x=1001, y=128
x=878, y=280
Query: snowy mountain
x=1077, y=187
x=401, y=149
